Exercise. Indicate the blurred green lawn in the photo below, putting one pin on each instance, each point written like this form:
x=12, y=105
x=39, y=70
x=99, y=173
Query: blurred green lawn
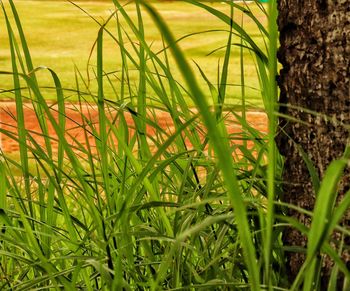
x=61, y=36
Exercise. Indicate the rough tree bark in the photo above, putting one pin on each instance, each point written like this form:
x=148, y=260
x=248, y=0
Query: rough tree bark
x=315, y=55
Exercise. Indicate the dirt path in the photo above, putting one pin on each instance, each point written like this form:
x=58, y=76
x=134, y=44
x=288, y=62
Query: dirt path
x=74, y=131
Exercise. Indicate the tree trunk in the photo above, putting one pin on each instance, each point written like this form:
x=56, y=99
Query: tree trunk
x=315, y=55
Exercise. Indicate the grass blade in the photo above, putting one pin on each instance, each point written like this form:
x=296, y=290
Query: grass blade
x=221, y=149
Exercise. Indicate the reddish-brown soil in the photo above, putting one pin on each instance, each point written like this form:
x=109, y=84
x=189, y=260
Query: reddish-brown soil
x=74, y=124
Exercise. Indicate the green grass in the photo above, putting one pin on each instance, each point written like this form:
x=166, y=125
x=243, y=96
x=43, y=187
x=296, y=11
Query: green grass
x=136, y=211
x=61, y=36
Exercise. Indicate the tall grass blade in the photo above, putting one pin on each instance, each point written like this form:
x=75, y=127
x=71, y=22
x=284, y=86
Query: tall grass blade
x=220, y=147
x=272, y=150
x=22, y=133
x=323, y=209
x=224, y=73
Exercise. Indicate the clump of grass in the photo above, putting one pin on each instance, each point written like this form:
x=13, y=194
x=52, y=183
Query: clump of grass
x=137, y=206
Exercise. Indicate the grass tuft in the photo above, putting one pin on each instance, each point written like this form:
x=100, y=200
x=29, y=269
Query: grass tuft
x=131, y=203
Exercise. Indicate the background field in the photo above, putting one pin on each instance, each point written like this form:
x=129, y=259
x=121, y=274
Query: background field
x=61, y=36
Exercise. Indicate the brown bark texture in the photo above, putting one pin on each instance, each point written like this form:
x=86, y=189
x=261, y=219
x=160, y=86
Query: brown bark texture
x=315, y=56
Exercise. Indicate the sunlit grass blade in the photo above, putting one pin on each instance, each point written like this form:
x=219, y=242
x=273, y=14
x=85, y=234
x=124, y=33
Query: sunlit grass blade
x=272, y=150
x=20, y=113
x=221, y=149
